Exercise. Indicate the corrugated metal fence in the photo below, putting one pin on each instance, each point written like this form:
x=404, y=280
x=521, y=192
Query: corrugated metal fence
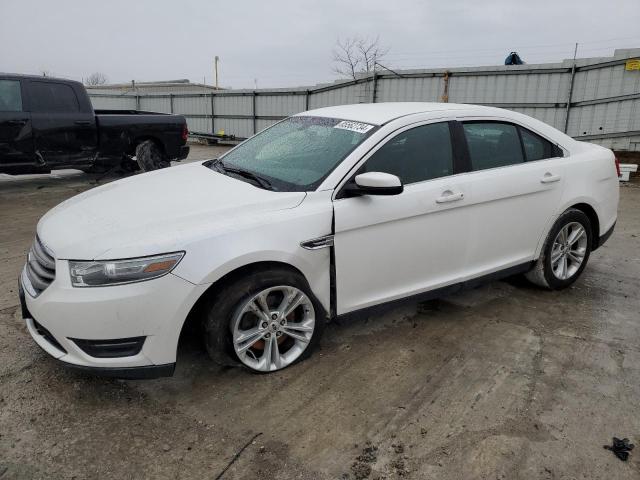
x=596, y=100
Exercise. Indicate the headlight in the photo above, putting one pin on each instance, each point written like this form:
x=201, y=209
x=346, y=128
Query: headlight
x=117, y=272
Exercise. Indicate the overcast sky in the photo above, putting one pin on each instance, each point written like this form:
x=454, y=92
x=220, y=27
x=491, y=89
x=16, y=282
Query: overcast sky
x=289, y=42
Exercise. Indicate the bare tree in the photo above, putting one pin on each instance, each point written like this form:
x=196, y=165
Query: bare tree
x=96, y=78
x=357, y=56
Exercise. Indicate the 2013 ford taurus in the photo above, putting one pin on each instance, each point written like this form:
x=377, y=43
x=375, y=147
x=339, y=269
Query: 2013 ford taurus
x=326, y=213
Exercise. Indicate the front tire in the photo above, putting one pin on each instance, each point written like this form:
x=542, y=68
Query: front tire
x=265, y=321
x=565, y=253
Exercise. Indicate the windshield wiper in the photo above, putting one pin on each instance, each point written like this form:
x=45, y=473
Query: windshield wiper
x=261, y=181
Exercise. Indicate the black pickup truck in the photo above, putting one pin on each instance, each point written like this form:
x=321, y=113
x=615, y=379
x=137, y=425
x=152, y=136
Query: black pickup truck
x=49, y=123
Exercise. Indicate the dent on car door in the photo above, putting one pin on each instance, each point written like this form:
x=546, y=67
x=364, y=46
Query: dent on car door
x=16, y=141
x=64, y=132
x=389, y=247
x=515, y=185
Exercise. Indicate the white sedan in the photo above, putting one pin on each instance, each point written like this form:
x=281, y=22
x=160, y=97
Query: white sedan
x=326, y=213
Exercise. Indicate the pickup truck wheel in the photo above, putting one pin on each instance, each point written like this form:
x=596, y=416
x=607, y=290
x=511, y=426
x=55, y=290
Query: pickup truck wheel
x=565, y=252
x=266, y=321
x=150, y=157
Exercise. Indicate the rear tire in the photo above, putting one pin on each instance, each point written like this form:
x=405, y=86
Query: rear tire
x=150, y=157
x=565, y=252
x=230, y=315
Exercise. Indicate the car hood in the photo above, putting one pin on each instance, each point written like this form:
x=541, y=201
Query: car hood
x=155, y=212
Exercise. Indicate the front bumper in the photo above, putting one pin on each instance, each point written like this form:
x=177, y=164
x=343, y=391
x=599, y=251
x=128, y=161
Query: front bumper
x=155, y=310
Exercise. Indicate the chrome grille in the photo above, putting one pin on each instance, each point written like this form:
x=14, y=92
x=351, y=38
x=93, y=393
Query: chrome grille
x=41, y=266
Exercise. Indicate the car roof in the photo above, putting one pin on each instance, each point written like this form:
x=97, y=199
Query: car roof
x=381, y=113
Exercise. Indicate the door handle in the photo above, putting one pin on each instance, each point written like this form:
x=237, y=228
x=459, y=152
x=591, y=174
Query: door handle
x=550, y=178
x=17, y=122
x=449, y=196
x=82, y=122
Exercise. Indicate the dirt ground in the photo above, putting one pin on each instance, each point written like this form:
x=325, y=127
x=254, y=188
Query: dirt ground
x=502, y=382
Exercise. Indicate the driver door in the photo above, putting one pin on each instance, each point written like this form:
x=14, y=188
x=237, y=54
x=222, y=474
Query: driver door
x=390, y=247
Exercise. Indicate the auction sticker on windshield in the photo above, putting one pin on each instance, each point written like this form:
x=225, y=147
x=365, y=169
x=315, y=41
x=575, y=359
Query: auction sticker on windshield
x=354, y=126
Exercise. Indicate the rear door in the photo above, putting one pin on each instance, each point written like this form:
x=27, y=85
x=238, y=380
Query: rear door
x=16, y=141
x=515, y=184
x=65, y=132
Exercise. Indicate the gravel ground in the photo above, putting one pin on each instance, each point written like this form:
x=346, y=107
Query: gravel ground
x=502, y=382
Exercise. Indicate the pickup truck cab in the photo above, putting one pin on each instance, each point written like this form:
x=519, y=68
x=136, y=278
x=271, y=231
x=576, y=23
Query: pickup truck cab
x=49, y=123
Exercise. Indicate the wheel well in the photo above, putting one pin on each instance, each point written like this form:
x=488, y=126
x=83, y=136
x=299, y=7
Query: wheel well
x=194, y=317
x=595, y=223
x=138, y=140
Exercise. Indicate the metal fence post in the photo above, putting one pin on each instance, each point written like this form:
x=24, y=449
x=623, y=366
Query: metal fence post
x=171, y=102
x=306, y=100
x=374, y=90
x=253, y=113
x=570, y=94
x=137, y=101
x=213, y=127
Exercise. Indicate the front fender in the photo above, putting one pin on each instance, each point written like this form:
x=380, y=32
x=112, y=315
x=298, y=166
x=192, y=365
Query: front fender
x=276, y=239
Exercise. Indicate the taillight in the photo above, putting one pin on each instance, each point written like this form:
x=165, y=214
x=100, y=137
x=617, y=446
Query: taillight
x=185, y=133
x=617, y=165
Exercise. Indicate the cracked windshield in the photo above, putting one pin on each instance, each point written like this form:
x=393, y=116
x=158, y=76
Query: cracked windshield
x=297, y=153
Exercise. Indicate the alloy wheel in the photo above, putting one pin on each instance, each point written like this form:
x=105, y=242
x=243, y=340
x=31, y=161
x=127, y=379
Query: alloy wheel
x=568, y=251
x=273, y=328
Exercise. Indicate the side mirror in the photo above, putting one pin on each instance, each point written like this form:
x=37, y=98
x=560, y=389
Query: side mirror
x=374, y=183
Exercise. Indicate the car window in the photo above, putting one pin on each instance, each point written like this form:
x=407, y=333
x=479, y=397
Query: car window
x=53, y=97
x=536, y=147
x=492, y=144
x=415, y=155
x=10, y=96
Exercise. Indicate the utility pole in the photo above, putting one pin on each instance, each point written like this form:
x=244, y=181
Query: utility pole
x=217, y=59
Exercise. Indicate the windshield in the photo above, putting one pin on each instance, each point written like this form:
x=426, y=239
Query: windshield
x=298, y=153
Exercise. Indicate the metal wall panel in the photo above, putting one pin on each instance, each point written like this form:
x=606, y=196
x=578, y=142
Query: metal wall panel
x=186, y=105
x=198, y=124
x=548, y=115
x=153, y=104
x=605, y=118
x=605, y=82
x=113, y=103
x=338, y=96
x=409, y=89
x=235, y=126
x=233, y=105
x=513, y=88
x=280, y=105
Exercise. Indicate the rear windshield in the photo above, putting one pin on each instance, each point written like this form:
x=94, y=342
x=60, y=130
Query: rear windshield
x=298, y=153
